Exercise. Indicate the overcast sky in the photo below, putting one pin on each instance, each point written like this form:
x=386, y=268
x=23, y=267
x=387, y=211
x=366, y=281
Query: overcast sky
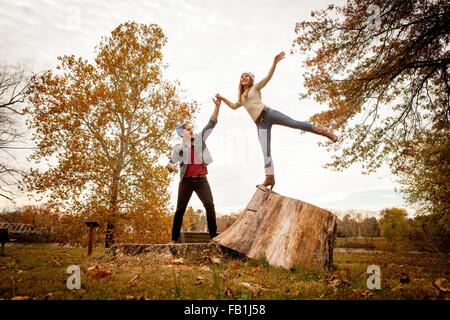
x=210, y=43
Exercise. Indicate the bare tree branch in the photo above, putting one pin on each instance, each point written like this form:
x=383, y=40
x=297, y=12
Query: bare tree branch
x=14, y=83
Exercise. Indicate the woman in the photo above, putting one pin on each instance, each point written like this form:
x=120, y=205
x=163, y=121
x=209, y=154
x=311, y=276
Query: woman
x=264, y=117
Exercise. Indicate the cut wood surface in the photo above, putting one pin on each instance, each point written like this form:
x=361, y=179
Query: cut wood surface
x=286, y=232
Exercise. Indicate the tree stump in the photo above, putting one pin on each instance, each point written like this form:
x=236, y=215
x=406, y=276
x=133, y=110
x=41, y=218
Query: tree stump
x=286, y=232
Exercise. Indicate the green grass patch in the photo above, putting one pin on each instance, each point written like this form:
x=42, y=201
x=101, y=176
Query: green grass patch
x=40, y=272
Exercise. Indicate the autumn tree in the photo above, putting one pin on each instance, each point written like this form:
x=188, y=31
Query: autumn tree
x=424, y=175
x=394, y=224
x=14, y=82
x=191, y=220
x=41, y=218
x=369, y=227
x=226, y=220
x=427, y=233
x=348, y=227
x=382, y=68
x=103, y=128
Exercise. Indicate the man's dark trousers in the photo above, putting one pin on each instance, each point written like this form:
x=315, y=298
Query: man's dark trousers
x=201, y=187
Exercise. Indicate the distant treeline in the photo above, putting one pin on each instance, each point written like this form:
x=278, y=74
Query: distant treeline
x=393, y=224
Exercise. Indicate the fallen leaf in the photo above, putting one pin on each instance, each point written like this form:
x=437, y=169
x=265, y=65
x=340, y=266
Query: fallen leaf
x=92, y=268
x=98, y=273
x=344, y=272
x=296, y=292
x=442, y=284
x=22, y=298
x=253, y=287
x=215, y=260
x=399, y=287
x=199, y=280
x=135, y=278
x=367, y=294
x=48, y=295
x=178, y=261
x=256, y=270
x=335, y=283
x=168, y=258
x=205, y=268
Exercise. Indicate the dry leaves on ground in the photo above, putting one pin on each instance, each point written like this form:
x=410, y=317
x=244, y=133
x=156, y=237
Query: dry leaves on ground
x=97, y=272
x=442, y=284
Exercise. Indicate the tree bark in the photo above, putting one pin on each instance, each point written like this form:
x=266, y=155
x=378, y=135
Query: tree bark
x=286, y=232
x=109, y=239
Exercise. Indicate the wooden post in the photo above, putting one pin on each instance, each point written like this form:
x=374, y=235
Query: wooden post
x=286, y=232
x=91, y=225
x=91, y=236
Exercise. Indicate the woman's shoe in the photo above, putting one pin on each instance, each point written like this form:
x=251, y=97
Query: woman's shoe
x=270, y=181
x=331, y=136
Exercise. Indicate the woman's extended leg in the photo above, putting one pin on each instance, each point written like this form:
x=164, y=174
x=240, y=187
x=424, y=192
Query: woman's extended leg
x=279, y=118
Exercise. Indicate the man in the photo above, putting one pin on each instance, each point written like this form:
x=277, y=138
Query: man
x=194, y=157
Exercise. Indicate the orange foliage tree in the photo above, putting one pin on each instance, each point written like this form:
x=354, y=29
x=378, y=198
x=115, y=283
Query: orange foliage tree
x=382, y=67
x=192, y=220
x=103, y=127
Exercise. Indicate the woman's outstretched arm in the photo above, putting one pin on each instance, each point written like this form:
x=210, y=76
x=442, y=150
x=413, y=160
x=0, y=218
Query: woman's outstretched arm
x=261, y=84
x=232, y=105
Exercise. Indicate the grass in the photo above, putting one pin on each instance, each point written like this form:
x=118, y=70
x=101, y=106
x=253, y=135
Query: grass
x=39, y=272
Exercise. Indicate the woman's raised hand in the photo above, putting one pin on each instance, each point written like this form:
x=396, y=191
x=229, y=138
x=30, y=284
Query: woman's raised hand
x=279, y=57
x=217, y=101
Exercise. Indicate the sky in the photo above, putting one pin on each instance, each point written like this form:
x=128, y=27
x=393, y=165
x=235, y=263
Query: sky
x=210, y=43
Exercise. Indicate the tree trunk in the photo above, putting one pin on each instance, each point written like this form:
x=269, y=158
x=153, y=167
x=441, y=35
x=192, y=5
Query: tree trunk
x=109, y=238
x=115, y=187
x=285, y=231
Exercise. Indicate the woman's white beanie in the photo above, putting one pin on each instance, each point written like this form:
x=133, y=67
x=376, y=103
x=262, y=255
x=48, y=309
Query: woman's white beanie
x=250, y=74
